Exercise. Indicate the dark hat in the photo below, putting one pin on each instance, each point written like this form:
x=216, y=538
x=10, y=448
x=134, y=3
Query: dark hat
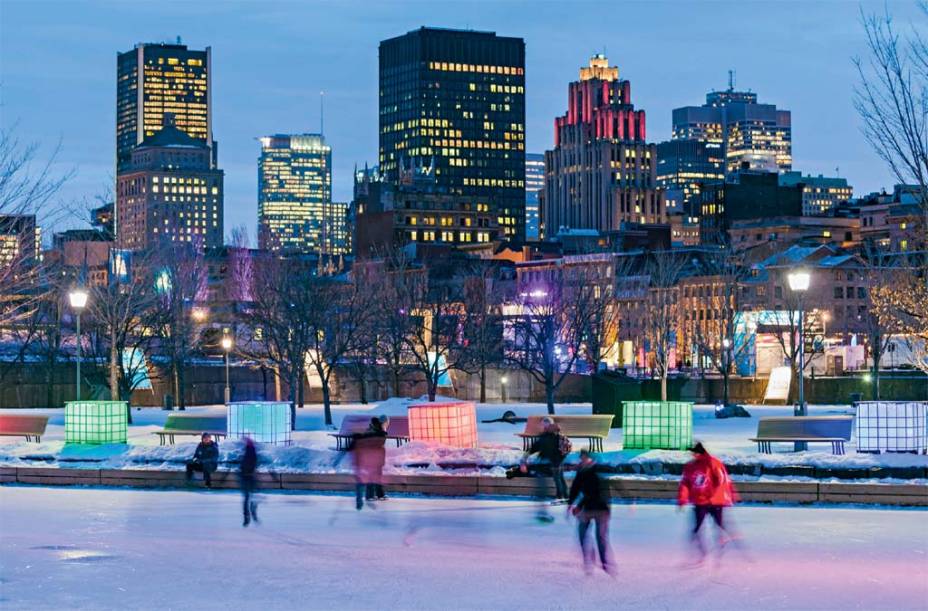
x=698, y=448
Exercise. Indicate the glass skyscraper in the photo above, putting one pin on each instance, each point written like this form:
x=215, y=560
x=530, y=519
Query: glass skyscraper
x=295, y=208
x=452, y=103
x=154, y=80
x=534, y=183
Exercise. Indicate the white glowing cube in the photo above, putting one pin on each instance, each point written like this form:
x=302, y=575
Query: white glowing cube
x=891, y=426
x=263, y=421
x=450, y=423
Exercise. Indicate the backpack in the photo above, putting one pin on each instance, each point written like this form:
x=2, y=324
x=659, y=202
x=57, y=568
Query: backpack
x=563, y=445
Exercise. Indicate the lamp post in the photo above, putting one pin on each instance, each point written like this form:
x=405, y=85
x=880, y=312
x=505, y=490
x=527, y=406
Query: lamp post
x=78, y=298
x=503, y=381
x=799, y=280
x=227, y=347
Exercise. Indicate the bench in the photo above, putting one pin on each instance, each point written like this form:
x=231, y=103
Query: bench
x=594, y=428
x=23, y=426
x=835, y=430
x=185, y=424
x=355, y=424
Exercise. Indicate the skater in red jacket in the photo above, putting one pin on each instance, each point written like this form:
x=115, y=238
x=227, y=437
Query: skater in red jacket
x=706, y=485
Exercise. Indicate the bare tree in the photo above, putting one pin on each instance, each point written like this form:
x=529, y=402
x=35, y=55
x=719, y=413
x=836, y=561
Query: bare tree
x=662, y=310
x=393, y=286
x=482, y=327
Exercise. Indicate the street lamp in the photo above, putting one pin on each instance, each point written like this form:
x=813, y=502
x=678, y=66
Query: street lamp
x=799, y=280
x=503, y=381
x=199, y=314
x=226, y=343
x=78, y=298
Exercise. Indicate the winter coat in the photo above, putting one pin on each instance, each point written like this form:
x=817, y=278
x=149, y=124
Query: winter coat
x=369, y=455
x=547, y=447
x=249, y=462
x=705, y=481
x=592, y=492
x=207, y=454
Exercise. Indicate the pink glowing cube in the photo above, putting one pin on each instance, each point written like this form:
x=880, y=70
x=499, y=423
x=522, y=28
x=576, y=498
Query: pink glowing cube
x=452, y=423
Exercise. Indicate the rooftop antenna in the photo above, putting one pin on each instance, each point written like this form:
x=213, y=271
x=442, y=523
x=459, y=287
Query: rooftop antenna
x=731, y=80
x=178, y=40
x=322, y=113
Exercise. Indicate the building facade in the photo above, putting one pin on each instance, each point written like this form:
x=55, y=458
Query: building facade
x=747, y=195
x=295, y=208
x=20, y=240
x=534, y=183
x=820, y=194
x=683, y=167
x=169, y=191
x=454, y=101
x=601, y=171
x=155, y=80
x=758, y=135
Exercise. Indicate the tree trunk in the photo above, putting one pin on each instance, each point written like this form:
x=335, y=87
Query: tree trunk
x=114, y=369
x=326, y=401
x=664, y=385
x=432, y=386
x=876, y=376
x=291, y=395
x=549, y=393
x=178, y=400
x=396, y=378
x=301, y=390
x=483, y=383
x=278, y=391
x=725, y=388
x=362, y=387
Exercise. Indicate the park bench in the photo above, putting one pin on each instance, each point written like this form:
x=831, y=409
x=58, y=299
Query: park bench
x=355, y=424
x=594, y=428
x=184, y=424
x=835, y=430
x=23, y=426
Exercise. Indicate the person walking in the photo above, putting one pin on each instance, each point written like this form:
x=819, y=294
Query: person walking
x=247, y=480
x=205, y=460
x=707, y=486
x=589, y=502
x=378, y=428
x=369, y=454
x=550, y=448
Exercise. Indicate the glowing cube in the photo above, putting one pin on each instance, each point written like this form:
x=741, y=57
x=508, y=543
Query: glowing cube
x=95, y=422
x=891, y=426
x=263, y=421
x=657, y=425
x=451, y=423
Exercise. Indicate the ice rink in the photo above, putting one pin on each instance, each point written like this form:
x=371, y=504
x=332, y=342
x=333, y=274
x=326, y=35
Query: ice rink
x=133, y=549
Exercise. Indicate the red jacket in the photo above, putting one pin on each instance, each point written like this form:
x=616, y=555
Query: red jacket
x=705, y=481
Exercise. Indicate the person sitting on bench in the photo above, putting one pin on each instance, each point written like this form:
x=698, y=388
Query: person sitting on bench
x=205, y=459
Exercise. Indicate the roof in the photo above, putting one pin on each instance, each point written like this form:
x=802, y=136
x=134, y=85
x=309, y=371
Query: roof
x=171, y=136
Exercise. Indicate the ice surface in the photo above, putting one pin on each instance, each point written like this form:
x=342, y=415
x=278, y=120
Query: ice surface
x=135, y=549
x=498, y=445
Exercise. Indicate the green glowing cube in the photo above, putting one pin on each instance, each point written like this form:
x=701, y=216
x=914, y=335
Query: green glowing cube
x=95, y=422
x=657, y=425
x=263, y=421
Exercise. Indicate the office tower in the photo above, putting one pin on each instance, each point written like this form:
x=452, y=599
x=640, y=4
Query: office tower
x=752, y=135
x=534, y=183
x=601, y=172
x=20, y=240
x=749, y=194
x=158, y=79
x=453, y=102
x=169, y=191
x=820, y=194
x=683, y=166
x=295, y=208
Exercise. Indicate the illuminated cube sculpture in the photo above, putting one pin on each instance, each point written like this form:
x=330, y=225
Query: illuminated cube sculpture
x=891, y=426
x=657, y=425
x=452, y=423
x=263, y=421
x=95, y=422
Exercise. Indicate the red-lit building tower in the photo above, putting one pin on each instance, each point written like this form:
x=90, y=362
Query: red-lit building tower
x=601, y=172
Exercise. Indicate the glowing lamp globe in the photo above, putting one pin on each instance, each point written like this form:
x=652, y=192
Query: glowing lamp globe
x=452, y=423
x=892, y=426
x=95, y=422
x=263, y=421
x=657, y=425
x=78, y=298
x=799, y=280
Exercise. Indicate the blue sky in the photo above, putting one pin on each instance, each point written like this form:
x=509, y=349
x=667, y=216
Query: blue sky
x=271, y=60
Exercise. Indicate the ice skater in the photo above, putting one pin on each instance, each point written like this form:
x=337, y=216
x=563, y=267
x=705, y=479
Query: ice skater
x=589, y=502
x=706, y=485
x=247, y=480
x=205, y=459
x=550, y=448
x=368, y=454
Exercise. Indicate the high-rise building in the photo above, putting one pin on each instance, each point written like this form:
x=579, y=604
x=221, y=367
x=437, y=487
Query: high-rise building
x=683, y=166
x=295, y=209
x=169, y=191
x=751, y=135
x=453, y=101
x=747, y=195
x=601, y=172
x=820, y=194
x=158, y=79
x=534, y=183
x=20, y=240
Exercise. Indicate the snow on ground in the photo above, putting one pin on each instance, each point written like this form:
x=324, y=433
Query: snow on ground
x=498, y=445
x=134, y=549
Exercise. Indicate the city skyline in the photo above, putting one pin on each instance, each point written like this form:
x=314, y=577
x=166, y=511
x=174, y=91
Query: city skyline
x=79, y=85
